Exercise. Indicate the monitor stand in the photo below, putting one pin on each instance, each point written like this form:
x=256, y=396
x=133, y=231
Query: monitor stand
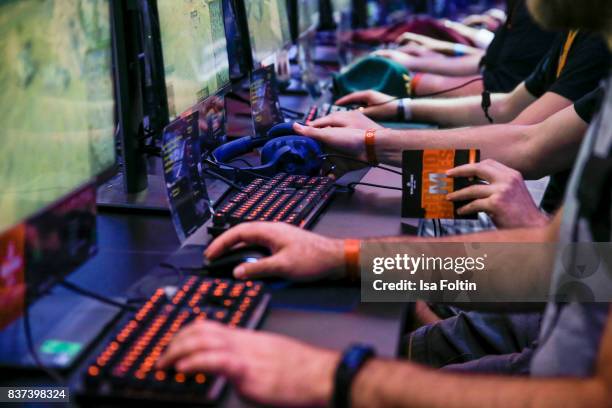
x=111, y=196
x=64, y=327
x=294, y=87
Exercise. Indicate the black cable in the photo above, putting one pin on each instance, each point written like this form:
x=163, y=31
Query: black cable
x=351, y=186
x=102, y=299
x=223, y=179
x=218, y=165
x=486, y=104
x=181, y=270
x=174, y=268
x=242, y=161
x=239, y=98
x=57, y=377
x=440, y=227
x=341, y=156
x=456, y=88
x=297, y=114
x=471, y=81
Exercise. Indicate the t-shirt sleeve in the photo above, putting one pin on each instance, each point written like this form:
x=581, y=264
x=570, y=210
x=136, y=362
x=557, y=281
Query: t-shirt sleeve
x=586, y=66
x=588, y=105
x=539, y=81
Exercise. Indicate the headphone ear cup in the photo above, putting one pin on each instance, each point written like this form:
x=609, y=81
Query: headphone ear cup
x=296, y=154
x=281, y=129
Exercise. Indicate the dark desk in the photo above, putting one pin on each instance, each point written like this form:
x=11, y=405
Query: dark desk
x=326, y=315
x=131, y=246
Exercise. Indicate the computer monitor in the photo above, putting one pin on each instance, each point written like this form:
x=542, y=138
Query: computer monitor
x=308, y=16
x=194, y=51
x=387, y=12
x=58, y=116
x=236, y=34
x=341, y=5
x=303, y=18
x=56, y=103
x=268, y=25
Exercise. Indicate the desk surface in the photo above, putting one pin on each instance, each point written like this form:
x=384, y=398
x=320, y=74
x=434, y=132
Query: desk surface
x=132, y=245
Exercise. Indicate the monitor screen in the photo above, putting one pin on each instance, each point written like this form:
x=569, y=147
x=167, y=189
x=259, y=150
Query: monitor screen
x=387, y=12
x=194, y=51
x=340, y=6
x=268, y=27
x=237, y=43
x=308, y=16
x=56, y=104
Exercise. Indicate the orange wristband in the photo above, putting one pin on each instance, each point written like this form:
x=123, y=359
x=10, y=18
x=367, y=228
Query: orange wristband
x=352, y=247
x=414, y=83
x=370, y=147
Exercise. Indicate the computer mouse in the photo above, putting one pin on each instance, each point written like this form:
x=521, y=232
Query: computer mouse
x=223, y=266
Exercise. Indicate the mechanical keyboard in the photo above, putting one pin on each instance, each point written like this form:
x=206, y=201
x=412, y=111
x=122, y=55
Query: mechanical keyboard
x=286, y=198
x=124, y=371
x=318, y=111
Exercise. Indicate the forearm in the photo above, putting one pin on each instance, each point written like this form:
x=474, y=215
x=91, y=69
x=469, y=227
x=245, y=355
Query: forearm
x=455, y=112
x=547, y=234
x=452, y=66
x=536, y=249
x=450, y=48
x=504, y=143
x=386, y=384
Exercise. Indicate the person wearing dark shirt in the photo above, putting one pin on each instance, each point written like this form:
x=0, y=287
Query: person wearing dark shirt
x=570, y=81
x=516, y=49
x=585, y=108
x=573, y=67
x=570, y=74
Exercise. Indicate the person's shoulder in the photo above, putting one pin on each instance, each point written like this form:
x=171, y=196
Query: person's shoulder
x=592, y=40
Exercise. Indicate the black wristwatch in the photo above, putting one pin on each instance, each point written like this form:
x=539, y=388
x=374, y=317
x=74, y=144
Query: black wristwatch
x=351, y=362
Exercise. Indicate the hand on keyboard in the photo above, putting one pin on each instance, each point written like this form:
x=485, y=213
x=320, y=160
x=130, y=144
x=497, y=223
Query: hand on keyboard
x=350, y=119
x=377, y=105
x=296, y=254
x=269, y=369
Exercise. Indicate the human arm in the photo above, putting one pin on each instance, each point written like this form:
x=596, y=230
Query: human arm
x=262, y=367
x=435, y=64
x=386, y=383
x=447, y=112
x=481, y=37
x=534, y=150
x=445, y=47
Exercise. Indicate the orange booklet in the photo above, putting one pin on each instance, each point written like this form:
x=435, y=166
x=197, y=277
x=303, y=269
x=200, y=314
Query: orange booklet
x=425, y=184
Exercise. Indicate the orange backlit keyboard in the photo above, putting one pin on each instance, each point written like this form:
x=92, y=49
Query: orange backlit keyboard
x=319, y=111
x=286, y=198
x=125, y=370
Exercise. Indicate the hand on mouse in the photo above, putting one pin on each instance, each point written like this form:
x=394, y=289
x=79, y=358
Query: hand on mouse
x=296, y=254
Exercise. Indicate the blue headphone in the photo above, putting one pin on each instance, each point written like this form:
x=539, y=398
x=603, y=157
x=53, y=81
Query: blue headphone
x=283, y=152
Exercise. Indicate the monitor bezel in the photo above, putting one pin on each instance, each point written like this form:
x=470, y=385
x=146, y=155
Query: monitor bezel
x=158, y=60
x=109, y=172
x=259, y=63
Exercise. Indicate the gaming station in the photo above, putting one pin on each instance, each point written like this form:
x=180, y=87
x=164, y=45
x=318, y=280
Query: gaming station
x=313, y=203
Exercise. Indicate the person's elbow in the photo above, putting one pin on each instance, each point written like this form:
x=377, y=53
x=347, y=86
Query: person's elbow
x=502, y=109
